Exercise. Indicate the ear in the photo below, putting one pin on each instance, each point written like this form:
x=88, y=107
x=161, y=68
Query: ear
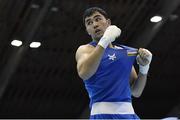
x=109, y=21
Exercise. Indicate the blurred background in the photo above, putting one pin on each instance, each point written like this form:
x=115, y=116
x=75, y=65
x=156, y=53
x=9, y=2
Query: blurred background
x=38, y=41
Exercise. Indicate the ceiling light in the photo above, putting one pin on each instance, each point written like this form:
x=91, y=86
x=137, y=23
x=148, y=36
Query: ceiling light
x=54, y=9
x=16, y=43
x=35, y=44
x=156, y=19
x=35, y=6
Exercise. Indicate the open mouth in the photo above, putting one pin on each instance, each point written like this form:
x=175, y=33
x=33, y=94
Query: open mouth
x=97, y=31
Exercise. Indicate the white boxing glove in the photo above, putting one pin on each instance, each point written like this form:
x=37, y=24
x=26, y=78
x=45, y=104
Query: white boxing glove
x=111, y=33
x=144, y=59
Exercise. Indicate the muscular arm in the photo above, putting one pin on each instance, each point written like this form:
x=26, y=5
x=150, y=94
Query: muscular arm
x=137, y=83
x=88, y=59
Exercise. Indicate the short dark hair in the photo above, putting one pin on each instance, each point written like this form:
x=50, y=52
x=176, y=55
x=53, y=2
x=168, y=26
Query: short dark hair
x=88, y=12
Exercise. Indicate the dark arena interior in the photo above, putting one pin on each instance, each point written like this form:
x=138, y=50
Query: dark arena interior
x=43, y=82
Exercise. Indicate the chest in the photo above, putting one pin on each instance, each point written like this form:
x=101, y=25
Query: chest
x=116, y=58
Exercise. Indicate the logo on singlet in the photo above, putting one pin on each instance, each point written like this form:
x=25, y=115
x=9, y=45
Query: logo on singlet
x=112, y=57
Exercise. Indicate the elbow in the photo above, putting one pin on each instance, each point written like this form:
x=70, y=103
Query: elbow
x=136, y=94
x=83, y=74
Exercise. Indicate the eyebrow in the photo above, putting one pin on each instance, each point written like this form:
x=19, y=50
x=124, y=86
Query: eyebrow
x=87, y=20
x=97, y=16
x=93, y=17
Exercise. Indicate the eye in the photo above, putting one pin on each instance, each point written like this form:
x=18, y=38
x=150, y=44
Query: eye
x=89, y=22
x=97, y=19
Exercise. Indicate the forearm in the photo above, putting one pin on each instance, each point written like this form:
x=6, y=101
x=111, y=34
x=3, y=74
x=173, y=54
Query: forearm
x=139, y=84
x=91, y=63
x=143, y=58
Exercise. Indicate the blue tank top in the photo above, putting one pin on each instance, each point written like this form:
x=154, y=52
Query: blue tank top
x=110, y=83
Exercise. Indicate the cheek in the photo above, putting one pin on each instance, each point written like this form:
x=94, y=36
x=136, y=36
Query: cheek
x=89, y=30
x=104, y=24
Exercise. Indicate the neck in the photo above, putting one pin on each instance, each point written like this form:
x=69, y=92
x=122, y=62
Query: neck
x=96, y=40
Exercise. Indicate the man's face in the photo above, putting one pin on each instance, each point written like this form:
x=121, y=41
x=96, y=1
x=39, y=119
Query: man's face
x=96, y=25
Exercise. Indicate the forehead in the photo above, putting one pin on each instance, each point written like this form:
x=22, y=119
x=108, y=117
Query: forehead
x=95, y=14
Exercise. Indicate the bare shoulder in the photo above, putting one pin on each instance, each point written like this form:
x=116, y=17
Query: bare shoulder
x=84, y=49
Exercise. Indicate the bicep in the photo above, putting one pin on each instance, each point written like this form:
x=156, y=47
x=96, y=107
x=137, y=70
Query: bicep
x=81, y=55
x=133, y=76
x=80, y=60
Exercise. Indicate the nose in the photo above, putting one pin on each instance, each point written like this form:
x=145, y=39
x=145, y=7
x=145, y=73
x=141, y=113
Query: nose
x=95, y=24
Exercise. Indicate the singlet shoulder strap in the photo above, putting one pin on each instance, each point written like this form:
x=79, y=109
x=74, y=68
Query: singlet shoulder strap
x=93, y=43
